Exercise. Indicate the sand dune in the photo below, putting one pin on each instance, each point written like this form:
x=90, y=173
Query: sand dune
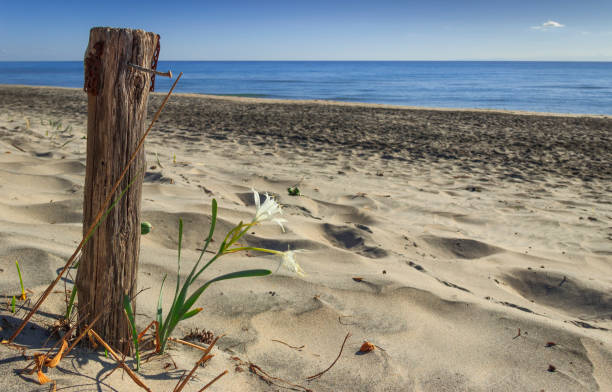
x=480, y=237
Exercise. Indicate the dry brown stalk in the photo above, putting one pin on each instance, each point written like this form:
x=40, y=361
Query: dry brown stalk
x=129, y=371
x=288, y=345
x=141, y=334
x=333, y=363
x=271, y=379
x=180, y=385
x=204, y=358
x=213, y=381
x=206, y=349
x=115, y=368
x=97, y=220
x=85, y=331
x=187, y=343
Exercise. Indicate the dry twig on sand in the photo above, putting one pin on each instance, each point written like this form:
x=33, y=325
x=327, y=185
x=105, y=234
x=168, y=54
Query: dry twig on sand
x=205, y=357
x=271, y=379
x=129, y=371
x=192, y=345
x=333, y=363
x=214, y=380
x=288, y=345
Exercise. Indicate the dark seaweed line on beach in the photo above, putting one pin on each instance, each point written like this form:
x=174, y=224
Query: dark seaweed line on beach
x=524, y=145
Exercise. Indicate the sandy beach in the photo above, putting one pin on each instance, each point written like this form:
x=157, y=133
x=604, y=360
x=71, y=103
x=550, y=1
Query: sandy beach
x=482, y=241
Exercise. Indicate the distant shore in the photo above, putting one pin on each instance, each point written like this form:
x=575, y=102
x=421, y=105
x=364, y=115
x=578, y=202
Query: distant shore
x=246, y=98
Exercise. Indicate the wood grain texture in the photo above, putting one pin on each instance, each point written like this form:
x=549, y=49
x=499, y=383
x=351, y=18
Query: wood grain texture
x=117, y=105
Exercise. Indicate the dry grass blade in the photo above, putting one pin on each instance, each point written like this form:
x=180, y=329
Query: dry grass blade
x=153, y=323
x=271, y=379
x=129, y=371
x=85, y=331
x=213, y=381
x=181, y=384
x=333, y=363
x=205, y=357
x=192, y=345
x=187, y=344
x=95, y=222
x=288, y=345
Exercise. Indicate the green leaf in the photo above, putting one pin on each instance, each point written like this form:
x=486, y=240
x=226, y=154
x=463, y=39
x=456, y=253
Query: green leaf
x=191, y=313
x=71, y=302
x=192, y=275
x=178, y=268
x=23, y=293
x=234, y=275
x=127, y=305
x=159, y=303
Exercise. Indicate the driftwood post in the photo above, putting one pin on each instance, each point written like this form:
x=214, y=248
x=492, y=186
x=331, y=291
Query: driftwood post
x=117, y=96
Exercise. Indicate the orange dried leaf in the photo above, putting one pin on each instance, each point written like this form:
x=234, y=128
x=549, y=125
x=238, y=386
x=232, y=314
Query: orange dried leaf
x=39, y=360
x=358, y=279
x=42, y=379
x=53, y=362
x=366, y=347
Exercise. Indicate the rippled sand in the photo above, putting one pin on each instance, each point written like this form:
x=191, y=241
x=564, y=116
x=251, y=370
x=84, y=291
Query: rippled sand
x=479, y=236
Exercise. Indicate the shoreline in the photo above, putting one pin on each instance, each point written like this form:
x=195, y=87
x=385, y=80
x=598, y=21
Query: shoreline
x=238, y=98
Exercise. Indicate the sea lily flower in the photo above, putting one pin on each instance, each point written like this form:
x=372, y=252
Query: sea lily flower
x=267, y=210
x=288, y=260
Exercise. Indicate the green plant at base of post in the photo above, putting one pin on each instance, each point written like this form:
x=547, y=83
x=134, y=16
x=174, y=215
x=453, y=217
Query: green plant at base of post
x=71, y=303
x=13, y=305
x=127, y=306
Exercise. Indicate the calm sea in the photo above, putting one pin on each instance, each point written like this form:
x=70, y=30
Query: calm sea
x=562, y=87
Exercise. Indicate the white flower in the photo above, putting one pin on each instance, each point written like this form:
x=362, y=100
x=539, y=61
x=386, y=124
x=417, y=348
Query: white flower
x=288, y=260
x=267, y=210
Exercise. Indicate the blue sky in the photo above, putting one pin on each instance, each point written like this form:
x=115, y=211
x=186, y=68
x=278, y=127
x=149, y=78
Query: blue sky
x=319, y=30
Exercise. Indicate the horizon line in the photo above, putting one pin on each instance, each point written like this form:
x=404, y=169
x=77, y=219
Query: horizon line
x=340, y=61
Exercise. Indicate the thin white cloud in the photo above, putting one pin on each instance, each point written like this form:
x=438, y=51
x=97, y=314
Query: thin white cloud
x=551, y=24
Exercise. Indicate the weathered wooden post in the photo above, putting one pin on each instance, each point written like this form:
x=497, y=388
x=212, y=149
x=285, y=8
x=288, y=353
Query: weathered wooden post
x=117, y=95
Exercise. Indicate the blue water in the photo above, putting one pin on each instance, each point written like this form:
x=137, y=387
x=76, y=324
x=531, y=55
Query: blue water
x=562, y=87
